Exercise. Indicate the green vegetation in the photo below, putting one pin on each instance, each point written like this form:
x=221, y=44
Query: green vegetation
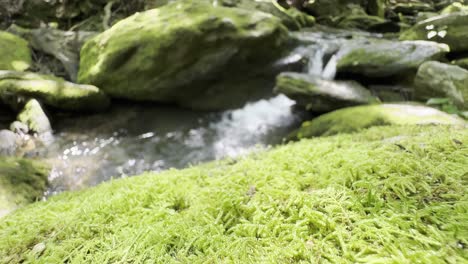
x=355, y=119
x=386, y=195
x=14, y=52
x=21, y=182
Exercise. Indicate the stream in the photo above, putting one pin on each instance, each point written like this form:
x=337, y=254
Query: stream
x=130, y=139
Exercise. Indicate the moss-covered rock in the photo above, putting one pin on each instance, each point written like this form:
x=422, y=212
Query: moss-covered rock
x=320, y=95
x=384, y=58
x=34, y=117
x=51, y=91
x=387, y=195
x=461, y=63
x=435, y=79
x=14, y=52
x=22, y=181
x=451, y=29
x=357, y=118
x=454, y=8
x=192, y=54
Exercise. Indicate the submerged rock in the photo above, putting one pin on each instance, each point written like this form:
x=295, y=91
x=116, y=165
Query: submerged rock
x=357, y=118
x=435, y=79
x=451, y=29
x=320, y=95
x=35, y=118
x=14, y=52
x=53, y=91
x=193, y=54
x=383, y=58
x=22, y=181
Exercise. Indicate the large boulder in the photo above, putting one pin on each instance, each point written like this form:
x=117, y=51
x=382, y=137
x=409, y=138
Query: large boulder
x=451, y=29
x=53, y=91
x=435, y=79
x=22, y=181
x=193, y=54
x=383, y=58
x=320, y=95
x=14, y=52
x=354, y=119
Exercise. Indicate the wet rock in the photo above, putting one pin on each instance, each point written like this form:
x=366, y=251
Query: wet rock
x=454, y=8
x=451, y=29
x=320, y=95
x=354, y=119
x=22, y=181
x=359, y=19
x=53, y=91
x=8, y=142
x=14, y=52
x=383, y=58
x=35, y=118
x=435, y=80
x=192, y=54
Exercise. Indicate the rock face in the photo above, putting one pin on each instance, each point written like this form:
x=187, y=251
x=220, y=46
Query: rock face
x=53, y=91
x=353, y=119
x=22, y=181
x=14, y=52
x=193, y=54
x=435, y=79
x=319, y=95
x=451, y=29
x=34, y=117
x=382, y=58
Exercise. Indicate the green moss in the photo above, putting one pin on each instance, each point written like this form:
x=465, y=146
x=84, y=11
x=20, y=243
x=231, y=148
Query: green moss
x=51, y=90
x=461, y=63
x=183, y=53
x=354, y=119
x=14, y=52
x=387, y=195
x=22, y=181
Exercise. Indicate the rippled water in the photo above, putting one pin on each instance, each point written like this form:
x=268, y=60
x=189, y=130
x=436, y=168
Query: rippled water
x=131, y=139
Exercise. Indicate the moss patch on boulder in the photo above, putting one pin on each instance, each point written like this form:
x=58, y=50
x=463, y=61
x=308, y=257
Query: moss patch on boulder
x=15, y=54
x=185, y=53
x=355, y=119
x=22, y=181
x=51, y=91
x=346, y=199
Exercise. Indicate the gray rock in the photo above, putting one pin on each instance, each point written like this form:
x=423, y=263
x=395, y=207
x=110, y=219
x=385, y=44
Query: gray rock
x=451, y=29
x=383, y=58
x=8, y=142
x=435, y=79
x=320, y=95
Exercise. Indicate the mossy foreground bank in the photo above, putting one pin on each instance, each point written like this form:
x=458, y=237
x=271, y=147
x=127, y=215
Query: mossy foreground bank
x=385, y=195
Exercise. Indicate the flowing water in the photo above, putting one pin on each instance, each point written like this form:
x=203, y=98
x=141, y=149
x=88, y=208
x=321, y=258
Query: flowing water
x=131, y=139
